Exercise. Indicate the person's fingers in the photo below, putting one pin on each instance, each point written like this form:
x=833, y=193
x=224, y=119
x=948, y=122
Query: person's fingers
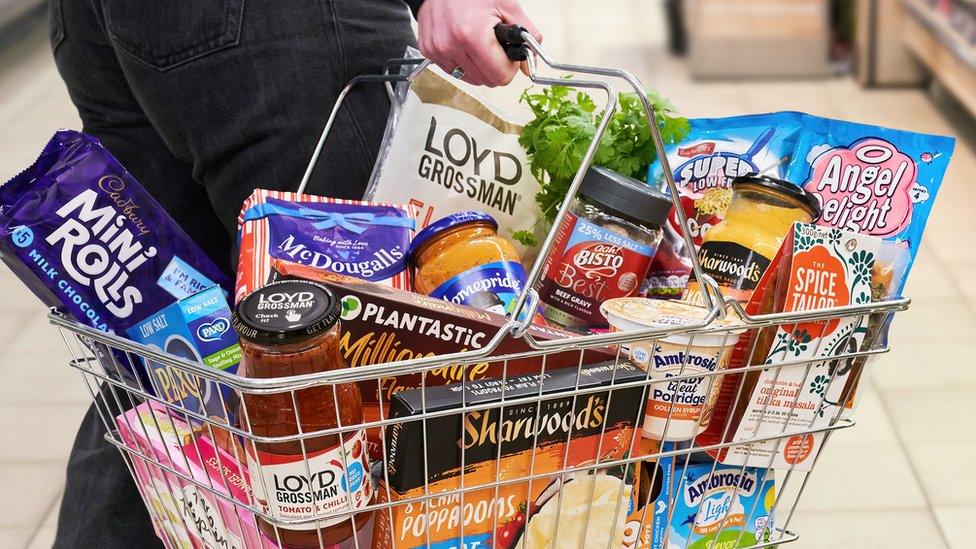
x=513, y=14
x=472, y=70
x=483, y=50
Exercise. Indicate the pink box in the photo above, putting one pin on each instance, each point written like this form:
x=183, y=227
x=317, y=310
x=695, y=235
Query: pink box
x=184, y=514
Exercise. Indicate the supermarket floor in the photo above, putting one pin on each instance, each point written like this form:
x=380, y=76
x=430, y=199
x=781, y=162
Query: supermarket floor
x=902, y=478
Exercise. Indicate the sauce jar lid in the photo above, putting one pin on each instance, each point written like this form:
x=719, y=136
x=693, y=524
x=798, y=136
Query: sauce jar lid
x=449, y=222
x=632, y=313
x=626, y=195
x=796, y=192
x=287, y=311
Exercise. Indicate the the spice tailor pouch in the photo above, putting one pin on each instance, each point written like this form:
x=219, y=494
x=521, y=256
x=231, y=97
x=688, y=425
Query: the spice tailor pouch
x=366, y=240
x=447, y=150
x=88, y=240
x=872, y=180
x=716, y=151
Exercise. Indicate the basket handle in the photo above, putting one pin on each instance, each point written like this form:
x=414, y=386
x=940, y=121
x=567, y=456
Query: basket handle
x=510, y=37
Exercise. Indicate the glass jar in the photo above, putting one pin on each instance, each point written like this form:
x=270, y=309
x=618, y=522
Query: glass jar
x=461, y=259
x=737, y=250
x=291, y=328
x=603, y=248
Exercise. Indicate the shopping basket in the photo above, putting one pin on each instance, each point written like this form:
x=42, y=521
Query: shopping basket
x=192, y=506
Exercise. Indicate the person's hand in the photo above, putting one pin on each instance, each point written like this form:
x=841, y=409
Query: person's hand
x=460, y=34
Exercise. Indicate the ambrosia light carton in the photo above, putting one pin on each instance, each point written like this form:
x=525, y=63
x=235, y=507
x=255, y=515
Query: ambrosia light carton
x=817, y=267
x=490, y=446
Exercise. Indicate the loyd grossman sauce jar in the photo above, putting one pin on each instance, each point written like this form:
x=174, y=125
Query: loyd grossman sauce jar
x=461, y=259
x=603, y=248
x=737, y=250
x=291, y=328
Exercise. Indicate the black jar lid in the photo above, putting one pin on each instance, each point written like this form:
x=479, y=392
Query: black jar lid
x=796, y=192
x=287, y=311
x=626, y=195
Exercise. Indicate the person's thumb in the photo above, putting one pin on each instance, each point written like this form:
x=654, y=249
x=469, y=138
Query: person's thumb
x=513, y=14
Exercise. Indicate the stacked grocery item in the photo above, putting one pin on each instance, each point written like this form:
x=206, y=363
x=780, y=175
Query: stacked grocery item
x=786, y=213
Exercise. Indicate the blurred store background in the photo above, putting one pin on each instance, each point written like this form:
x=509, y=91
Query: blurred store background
x=903, y=478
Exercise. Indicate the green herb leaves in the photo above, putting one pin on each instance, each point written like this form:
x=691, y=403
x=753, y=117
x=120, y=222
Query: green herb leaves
x=563, y=126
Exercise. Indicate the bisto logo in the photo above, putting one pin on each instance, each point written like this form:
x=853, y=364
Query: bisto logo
x=866, y=188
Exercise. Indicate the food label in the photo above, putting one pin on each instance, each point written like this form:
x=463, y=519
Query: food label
x=493, y=287
x=735, y=267
x=588, y=265
x=333, y=480
x=676, y=406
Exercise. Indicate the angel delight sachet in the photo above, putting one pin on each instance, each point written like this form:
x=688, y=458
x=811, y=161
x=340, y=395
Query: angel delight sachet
x=89, y=241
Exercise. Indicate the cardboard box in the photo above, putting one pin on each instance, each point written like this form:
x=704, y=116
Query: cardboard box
x=698, y=508
x=197, y=328
x=494, y=445
x=816, y=267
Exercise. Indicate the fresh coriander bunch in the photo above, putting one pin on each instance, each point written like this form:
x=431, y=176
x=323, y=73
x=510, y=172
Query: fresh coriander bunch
x=563, y=125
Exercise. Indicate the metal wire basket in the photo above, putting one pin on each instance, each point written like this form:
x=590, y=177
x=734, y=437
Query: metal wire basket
x=191, y=465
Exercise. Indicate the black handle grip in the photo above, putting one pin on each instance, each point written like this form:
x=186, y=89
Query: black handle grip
x=510, y=38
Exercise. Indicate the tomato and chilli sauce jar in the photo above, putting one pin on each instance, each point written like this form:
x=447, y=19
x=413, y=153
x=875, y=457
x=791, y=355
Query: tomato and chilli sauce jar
x=461, y=259
x=676, y=410
x=603, y=248
x=291, y=328
x=738, y=250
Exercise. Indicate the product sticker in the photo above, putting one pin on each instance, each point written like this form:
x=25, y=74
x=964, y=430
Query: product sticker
x=492, y=287
x=181, y=280
x=331, y=480
x=590, y=264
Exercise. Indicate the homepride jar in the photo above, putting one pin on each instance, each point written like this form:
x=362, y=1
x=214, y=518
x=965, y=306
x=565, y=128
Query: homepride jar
x=676, y=410
x=603, y=248
x=461, y=259
x=737, y=251
x=291, y=328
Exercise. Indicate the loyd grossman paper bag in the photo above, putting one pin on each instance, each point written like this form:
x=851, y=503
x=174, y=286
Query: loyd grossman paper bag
x=447, y=150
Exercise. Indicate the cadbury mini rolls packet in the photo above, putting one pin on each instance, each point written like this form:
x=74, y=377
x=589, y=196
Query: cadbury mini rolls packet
x=88, y=240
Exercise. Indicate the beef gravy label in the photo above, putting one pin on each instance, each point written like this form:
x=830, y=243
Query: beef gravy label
x=590, y=264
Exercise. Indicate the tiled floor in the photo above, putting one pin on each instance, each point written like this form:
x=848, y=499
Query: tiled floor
x=902, y=478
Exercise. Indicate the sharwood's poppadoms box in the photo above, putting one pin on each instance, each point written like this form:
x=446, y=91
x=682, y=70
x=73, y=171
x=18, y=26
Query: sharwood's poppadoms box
x=492, y=445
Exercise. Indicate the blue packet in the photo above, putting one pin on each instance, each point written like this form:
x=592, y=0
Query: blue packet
x=197, y=328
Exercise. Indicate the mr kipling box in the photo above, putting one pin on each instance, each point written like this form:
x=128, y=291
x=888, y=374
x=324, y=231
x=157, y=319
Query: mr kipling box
x=382, y=324
x=197, y=328
x=565, y=429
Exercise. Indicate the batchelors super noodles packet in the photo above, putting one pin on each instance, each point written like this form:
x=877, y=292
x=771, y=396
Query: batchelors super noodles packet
x=716, y=151
x=88, y=240
x=869, y=179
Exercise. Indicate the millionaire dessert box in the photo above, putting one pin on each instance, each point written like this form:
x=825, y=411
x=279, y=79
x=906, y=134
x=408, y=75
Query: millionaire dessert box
x=381, y=325
x=579, y=416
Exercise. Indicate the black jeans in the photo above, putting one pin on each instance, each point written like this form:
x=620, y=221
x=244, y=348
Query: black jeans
x=204, y=101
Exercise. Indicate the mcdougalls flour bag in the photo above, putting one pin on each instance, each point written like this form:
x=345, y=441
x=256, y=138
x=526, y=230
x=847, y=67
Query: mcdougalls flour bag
x=446, y=150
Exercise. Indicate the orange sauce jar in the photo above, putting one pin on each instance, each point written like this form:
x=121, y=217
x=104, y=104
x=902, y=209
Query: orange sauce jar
x=461, y=259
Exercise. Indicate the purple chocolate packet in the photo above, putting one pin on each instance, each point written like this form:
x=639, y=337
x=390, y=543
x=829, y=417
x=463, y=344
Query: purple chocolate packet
x=89, y=241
